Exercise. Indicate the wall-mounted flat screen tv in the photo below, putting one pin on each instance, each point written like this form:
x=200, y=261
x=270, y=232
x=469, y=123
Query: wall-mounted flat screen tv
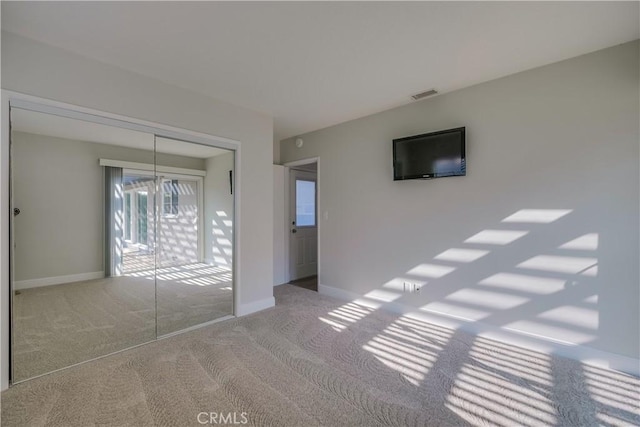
x=430, y=155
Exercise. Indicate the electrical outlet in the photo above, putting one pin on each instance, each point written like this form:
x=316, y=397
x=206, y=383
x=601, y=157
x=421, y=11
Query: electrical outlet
x=412, y=288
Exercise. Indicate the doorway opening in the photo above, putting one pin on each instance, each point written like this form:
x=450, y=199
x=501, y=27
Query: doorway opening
x=303, y=223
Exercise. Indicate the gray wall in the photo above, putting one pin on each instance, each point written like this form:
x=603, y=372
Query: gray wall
x=559, y=137
x=218, y=210
x=58, y=186
x=38, y=69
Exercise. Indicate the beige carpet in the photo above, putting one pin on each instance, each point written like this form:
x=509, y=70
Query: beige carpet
x=313, y=360
x=57, y=326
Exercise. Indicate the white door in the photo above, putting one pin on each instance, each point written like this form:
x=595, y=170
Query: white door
x=303, y=225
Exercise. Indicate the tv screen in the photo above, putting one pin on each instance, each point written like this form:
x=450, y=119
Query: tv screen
x=430, y=155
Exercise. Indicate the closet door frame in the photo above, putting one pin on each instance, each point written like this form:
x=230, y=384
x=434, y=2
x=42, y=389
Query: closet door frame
x=11, y=99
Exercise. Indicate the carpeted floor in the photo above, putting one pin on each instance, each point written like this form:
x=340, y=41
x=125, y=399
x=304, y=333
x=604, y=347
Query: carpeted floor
x=57, y=326
x=314, y=360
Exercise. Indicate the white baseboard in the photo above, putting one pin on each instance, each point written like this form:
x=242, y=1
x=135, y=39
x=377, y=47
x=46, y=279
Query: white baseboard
x=253, y=307
x=57, y=280
x=542, y=344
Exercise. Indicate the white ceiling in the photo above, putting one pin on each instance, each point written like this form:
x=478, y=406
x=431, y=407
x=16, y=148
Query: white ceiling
x=315, y=64
x=78, y=130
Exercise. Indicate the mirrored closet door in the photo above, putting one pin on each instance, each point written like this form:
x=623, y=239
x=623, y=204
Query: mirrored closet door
x=118, y=237
x=194, y=249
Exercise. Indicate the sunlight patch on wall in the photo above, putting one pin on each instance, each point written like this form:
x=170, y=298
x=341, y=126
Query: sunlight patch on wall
x=221, y=244
x=431, y=270
x=555, y=333
x=562, y=264
x=382, y=295
x=538, y=216
x=496, y=237
x=588, y=242
x=591, y=271
x=492, y=300
x=582, y=318
x=461, y=255
x=523, y=283
x=461, y=312
x=503, y=294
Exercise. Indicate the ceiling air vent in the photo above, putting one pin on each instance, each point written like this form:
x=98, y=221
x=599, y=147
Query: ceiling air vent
x=424, y=94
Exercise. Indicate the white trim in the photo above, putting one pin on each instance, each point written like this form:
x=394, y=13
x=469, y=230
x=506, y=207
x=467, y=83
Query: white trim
x=297, y=271
x=195, y=327
x=319, y=214
x=57, y=280
x=5, y=220
x=302, y=162
x=545, y=345
x=149, y=167
x=287, y=224
x=280, y=265
x=253, y=307
x=237, y=229
x=43, y=105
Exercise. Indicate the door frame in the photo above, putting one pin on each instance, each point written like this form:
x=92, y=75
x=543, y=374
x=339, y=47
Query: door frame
x=9, y=99
x=320, y=215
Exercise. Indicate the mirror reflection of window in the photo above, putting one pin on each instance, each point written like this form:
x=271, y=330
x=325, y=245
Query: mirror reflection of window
x=127, y=216
x=170, y=197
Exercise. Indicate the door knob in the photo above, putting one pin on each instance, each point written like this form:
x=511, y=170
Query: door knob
x=294, y=231
x=16, y=211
